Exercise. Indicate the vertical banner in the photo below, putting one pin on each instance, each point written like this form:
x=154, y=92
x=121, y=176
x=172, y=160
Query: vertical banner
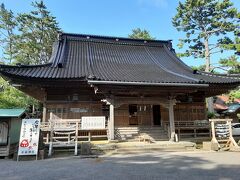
x=29, y=137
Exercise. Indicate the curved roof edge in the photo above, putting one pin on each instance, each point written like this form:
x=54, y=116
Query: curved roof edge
x=56, y=67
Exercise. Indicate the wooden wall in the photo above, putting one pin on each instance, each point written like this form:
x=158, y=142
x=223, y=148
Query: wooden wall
x=186, y=112
x=74, y=110
x=121, y=116
x=144, y=115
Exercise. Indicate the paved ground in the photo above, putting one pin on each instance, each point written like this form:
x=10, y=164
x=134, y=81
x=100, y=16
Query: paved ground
x=152, y=165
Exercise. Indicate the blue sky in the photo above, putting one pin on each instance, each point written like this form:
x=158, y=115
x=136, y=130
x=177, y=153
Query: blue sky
x=114, y=17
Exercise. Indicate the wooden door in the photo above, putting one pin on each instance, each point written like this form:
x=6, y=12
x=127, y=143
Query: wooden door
x=156, y=115
x=3, y=133
x=133, y=118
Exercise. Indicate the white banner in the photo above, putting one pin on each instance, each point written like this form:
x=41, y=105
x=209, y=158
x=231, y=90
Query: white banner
x=93, y=122
x=29, y=137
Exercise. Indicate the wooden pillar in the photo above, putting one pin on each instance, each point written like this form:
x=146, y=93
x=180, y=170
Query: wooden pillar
x=76, y=140
x=171, y=119
x=111, y=122
x=51, y=135
x=89, y=136
x=44, y=112
x=44, y=115
x=214, y=140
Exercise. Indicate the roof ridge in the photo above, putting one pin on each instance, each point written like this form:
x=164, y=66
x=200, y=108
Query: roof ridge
x=230, y=76
x=89, y=36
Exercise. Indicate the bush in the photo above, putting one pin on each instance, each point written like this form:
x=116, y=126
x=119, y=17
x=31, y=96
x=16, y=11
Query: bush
x=210, y=115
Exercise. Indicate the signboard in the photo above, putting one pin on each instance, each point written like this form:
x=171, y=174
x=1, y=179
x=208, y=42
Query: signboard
x=222, y=130
x=93, y=122
x=29, y=137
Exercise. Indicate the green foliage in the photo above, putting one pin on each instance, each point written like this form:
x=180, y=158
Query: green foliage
x=38, y=32
x=237, y=39
x=7, y=26
x=10, y=97
x=210, y=115
x=235, y=94
x=233, y=67
x=140, y=34
x=208, y=26
x=202, y=68
x=199, y=68
x=26, y=38
x=29, y=36
x=232, y=64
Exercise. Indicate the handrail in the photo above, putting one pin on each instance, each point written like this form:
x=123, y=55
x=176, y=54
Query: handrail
x=64, y=122
x=196, y=123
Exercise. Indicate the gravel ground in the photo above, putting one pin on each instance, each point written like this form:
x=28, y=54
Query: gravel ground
x=151, y=165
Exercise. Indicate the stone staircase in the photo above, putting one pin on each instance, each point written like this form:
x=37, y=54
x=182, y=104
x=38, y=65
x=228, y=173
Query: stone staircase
x=133, y=133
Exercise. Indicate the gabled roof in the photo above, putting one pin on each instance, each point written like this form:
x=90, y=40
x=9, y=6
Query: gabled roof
x=113, y=59
x=11, y=112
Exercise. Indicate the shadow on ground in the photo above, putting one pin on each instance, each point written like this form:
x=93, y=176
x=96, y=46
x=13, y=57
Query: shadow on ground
x=152, y=165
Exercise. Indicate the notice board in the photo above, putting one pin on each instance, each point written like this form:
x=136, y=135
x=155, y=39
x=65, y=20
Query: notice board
x=93, y=122
x=29, y=137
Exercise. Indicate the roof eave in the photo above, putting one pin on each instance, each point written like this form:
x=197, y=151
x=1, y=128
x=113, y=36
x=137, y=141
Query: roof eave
x=146, y=83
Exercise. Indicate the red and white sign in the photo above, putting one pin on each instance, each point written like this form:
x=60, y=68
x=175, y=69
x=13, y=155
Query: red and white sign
x=29, y=137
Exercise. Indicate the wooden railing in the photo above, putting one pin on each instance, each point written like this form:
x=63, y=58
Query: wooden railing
x=196, y=123
x=197, y=128
x=63, y=123
x=64, y=131
x=60, y=124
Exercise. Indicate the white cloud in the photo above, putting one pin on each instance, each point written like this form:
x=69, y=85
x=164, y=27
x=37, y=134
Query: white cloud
x=155, y=3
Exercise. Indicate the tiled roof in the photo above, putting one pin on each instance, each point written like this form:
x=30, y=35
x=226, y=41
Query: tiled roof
x=11, y=112
x=102, y=58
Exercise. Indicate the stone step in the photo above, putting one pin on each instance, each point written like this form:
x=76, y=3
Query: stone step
x=140, y=128
x=136, y=133
x=133, y=133
x=125, y=131
x=154, y=132
x=136, y=137
x=140, y=147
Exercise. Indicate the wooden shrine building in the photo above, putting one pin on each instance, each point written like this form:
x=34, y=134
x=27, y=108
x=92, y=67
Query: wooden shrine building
x=134, y=83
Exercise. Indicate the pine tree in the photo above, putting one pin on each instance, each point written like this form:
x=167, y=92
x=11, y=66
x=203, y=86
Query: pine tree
x=209, y=26
x=26, y=39
x=231, y=64
x=38, y=31
x=7, y=27
x=140, y=34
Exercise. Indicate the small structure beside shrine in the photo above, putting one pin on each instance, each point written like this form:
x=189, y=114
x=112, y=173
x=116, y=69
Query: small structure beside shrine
x=10, y=125
x=222, y=133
